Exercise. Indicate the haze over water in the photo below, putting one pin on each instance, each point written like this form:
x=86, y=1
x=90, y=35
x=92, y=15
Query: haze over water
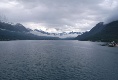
x=57, y=60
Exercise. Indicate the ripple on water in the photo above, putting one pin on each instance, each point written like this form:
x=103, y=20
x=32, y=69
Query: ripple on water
x=57, y=60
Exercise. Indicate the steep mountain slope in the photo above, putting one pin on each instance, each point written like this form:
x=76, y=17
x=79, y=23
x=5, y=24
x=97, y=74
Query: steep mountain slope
x=19, y=32
x=92, y=32
x=108, y=32
x=18, y=27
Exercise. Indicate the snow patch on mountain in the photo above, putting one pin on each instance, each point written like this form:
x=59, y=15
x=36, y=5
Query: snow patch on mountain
x=60, y=35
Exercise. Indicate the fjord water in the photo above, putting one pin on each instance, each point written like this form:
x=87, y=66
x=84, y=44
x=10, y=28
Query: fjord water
x=57, y=60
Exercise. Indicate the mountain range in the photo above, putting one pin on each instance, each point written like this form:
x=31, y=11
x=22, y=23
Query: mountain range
x=71, y=34
x=101, y=32
x=19, y=32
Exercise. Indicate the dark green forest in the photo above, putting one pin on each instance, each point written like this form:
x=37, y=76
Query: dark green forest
x=101, y=32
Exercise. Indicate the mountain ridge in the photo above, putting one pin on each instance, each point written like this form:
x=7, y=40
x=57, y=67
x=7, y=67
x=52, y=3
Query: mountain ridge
x=59, y=34
x=101, y=32
x=19, y=32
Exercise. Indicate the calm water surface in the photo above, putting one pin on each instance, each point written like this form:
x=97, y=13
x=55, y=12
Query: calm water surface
x=57, y=60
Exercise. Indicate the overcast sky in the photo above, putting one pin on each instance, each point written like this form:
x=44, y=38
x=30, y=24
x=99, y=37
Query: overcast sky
x=59, y=15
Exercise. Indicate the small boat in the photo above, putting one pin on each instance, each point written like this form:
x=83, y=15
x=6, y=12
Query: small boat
x=111, y=45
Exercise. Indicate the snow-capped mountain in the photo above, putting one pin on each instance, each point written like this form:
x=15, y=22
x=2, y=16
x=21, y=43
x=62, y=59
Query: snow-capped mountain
x=61, y=34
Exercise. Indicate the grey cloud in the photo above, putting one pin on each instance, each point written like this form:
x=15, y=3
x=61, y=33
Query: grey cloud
x=113, y=16
x=61, y=14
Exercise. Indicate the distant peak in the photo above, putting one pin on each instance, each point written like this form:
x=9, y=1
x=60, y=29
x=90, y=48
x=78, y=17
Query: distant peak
x=18, y=24
x=100, y=23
